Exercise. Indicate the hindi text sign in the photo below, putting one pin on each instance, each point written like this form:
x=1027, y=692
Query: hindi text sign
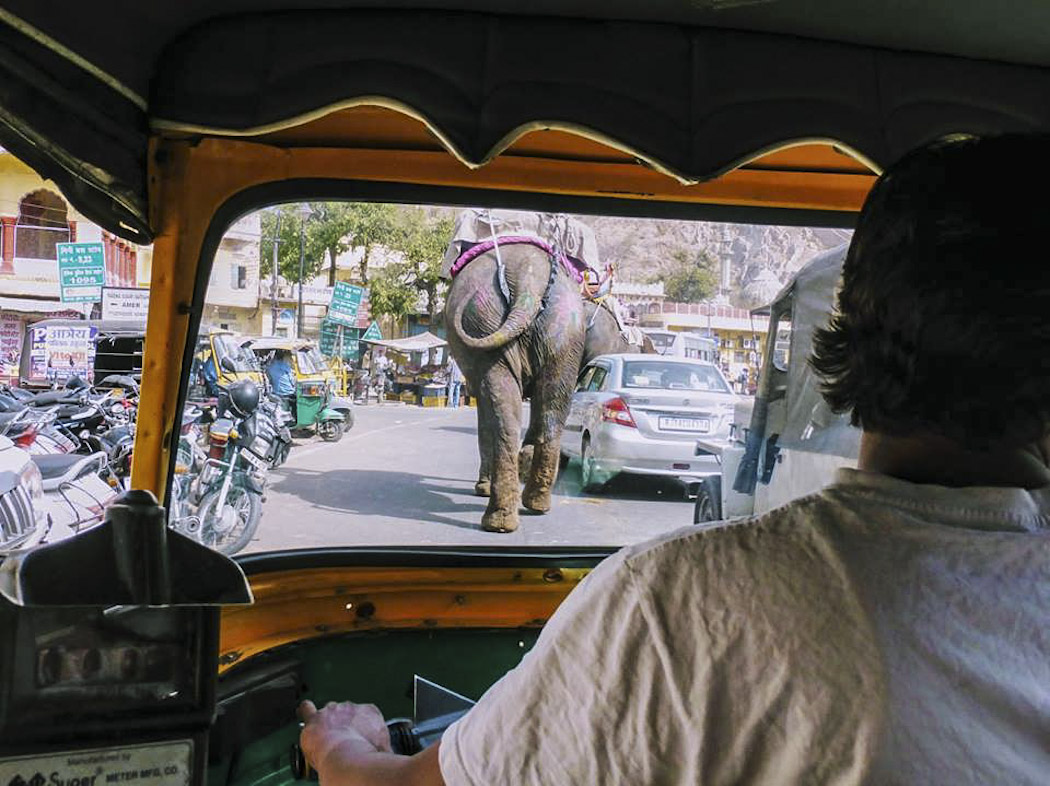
x=346, y=302
x=81, y=272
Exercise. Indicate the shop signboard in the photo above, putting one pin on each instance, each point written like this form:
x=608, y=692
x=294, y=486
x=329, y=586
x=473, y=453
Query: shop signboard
x=125, y=303
x=345, y=303
x=81, y=272
x=57, y=352
x=330, y=340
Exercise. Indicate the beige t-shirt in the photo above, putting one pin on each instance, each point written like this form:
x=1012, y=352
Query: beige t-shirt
x=878, y=632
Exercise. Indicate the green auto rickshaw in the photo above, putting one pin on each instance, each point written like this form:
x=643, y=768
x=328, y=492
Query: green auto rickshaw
x=314, y=403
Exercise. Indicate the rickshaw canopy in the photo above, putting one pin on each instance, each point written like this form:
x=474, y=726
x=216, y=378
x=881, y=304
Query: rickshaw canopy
x=692, y=90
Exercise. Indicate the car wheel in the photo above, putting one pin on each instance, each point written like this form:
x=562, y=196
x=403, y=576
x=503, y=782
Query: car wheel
x=708, y=505
x=588, y=474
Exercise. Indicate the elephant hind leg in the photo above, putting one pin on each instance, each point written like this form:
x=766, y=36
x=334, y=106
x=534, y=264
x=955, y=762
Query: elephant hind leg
x=537, y=494
x=503, y=438
x=525, y=463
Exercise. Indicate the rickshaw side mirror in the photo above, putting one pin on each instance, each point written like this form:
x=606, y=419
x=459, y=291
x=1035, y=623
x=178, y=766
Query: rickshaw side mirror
x=228, y=365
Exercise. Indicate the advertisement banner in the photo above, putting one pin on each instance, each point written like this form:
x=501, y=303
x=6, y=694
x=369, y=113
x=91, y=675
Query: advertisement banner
x=125, y=304
x=81, y=272
x=10, y=346
x=57, y=352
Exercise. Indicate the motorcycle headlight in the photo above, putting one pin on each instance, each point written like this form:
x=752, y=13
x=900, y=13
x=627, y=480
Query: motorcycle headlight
x=313, y=390
x=29, y=478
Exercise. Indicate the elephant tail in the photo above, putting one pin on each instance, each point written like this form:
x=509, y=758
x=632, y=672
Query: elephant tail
x=522, y=312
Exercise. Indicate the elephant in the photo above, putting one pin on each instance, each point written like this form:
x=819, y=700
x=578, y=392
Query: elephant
x=603, y=337
x=527, y=343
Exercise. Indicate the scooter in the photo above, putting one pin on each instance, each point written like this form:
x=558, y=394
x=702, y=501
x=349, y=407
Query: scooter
x=75, y=496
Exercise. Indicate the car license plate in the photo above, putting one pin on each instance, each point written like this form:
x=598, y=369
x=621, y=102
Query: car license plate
x=252, y=459
x=685, y=424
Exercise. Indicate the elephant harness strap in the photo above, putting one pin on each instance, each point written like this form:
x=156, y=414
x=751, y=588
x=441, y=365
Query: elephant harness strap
x=574, y=268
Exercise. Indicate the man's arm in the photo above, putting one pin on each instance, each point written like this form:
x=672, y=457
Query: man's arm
x=348, y=744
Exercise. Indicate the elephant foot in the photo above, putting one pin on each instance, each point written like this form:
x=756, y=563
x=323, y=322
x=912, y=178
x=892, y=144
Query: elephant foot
x=536, y=500
x=499, y=521
x=482, y=488
x=525, y=463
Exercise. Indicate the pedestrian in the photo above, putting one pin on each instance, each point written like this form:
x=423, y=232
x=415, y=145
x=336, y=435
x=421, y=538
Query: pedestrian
x=455, y=382
x=891, y=628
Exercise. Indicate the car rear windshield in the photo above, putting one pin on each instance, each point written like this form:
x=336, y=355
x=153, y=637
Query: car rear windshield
x=672, y=376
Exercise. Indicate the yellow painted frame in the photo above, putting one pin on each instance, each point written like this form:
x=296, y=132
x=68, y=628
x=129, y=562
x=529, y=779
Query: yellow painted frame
x=298, y=605
x=189, y=180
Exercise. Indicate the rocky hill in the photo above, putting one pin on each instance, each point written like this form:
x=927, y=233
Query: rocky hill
x=760, y=258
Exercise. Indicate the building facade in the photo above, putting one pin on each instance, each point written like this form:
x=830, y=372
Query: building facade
x=739, y=336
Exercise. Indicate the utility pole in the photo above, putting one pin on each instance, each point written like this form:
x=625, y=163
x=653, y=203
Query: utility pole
x=304, y=211
x=274, y=308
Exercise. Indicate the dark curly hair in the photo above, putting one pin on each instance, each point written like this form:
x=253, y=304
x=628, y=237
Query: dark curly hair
x=943, y=320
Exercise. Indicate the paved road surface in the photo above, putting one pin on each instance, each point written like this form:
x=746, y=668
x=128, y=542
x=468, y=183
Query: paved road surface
x=405, y=476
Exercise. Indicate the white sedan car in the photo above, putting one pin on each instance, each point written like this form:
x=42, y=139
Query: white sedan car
x=642, y=414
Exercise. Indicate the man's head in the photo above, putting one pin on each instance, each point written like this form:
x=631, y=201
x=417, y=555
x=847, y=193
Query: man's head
x=943, y=323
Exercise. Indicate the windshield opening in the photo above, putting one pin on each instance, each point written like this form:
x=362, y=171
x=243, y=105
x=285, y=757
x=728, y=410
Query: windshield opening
x=390, y=448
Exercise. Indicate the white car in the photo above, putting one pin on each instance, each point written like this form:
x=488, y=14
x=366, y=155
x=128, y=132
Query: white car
x=642, y=414
x=23, y=519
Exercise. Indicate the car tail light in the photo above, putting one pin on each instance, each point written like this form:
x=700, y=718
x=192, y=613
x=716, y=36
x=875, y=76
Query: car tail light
x=616, y=411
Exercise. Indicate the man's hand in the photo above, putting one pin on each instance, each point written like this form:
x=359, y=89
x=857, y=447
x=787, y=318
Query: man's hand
x=355, y=727
x=349, y=743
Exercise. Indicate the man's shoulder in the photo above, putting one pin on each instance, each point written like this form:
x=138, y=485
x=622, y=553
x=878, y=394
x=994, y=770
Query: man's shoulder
x=786, y=541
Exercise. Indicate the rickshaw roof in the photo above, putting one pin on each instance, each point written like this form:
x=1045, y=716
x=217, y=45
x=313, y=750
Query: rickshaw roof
x=709, y=86
x=267, y=343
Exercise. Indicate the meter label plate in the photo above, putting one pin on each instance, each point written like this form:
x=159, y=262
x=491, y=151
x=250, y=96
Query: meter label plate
x=155, y=764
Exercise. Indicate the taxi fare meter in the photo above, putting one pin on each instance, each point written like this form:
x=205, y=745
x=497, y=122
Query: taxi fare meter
x=109, y=655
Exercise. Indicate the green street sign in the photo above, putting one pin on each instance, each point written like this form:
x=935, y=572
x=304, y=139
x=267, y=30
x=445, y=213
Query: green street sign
x=373, y=333
x=81, y=272
x=346, y=302
x=330, y=340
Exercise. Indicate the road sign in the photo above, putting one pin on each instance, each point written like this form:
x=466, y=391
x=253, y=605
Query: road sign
x=330, y=340
x=373, y=333
x=346, y=301
x=125, y=303
x=81, y=272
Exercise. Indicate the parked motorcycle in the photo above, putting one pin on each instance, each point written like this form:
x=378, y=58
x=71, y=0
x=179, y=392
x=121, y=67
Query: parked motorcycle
x=231, y=483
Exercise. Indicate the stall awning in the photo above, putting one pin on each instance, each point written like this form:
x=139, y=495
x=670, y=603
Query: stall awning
x=25, y=305
x=420, y=343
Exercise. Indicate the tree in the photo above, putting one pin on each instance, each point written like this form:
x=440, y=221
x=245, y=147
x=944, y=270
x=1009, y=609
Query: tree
x=331, y=229
x=693, y=278
x=370, y=225
x=420, y=242
x=286, y=219
x=423, y=243
x=329, y=233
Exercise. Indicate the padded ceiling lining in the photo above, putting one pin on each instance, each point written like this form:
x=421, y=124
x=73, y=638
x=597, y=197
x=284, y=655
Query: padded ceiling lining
x=692, y=102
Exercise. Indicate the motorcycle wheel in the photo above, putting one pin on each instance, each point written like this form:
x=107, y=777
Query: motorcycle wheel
x=330, y=430
x=232, y=528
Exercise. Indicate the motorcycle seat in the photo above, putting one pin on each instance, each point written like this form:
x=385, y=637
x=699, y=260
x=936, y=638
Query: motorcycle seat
x=49, y=397
x=58, y=468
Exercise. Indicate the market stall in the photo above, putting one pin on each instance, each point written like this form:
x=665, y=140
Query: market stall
x=416, y=367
